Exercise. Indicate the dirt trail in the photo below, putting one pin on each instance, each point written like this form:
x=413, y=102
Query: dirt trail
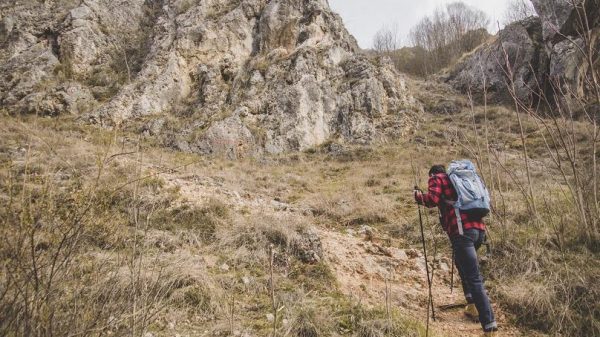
x=362, y=267
x=361, y=263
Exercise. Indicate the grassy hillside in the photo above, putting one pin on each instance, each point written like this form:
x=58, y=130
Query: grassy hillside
x=99, y=238
x=109, y=232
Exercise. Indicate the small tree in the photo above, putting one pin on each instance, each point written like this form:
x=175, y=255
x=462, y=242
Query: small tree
x=386, y=40
x=518, y=10
x=449, y=32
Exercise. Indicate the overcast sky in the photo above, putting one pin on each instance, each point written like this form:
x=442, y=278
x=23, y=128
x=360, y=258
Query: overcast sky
x=364, y=18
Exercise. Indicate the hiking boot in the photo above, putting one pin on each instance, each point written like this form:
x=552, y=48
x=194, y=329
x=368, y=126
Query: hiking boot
x=490, y=332
x=471, y=312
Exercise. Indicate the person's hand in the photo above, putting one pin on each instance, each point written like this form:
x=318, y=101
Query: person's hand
x=416, y=193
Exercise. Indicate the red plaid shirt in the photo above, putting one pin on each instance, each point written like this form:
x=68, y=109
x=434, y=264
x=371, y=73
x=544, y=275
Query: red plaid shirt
x=441, y=189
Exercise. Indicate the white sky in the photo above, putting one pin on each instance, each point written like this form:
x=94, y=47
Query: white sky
x=364, y=18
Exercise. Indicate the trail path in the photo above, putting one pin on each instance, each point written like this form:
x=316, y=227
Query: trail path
x=362, y=268
x=361, y=262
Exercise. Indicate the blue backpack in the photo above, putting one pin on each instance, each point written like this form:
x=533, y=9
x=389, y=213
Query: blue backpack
x=473, y=196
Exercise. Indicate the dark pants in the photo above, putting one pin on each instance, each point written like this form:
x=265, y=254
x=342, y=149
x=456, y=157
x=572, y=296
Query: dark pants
x=465, y=255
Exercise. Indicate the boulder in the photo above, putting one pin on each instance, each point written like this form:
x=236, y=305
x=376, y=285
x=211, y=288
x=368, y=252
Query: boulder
x=6, y=26
x=308, y=247
x=229, y=136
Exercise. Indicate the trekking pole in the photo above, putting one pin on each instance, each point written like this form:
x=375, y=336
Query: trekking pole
x=431, y=280
x=426, y=266
x=452, y=273
x=430, y=297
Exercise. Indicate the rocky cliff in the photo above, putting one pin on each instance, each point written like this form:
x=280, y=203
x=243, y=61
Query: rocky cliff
x=227, y=76
x=550, y=58
x=486, y=69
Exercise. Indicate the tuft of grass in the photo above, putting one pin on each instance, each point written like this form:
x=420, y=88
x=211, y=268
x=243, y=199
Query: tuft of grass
x=202, y=221
x=317, y=277
x=371, y=182
x=198, y=299
x=358, y=320
x=306, y=325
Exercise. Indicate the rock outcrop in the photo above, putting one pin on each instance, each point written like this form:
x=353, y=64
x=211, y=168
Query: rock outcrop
x=562, y=19
x=512, y=64
x=228, y=76
x=543, y=57
x=568, y=29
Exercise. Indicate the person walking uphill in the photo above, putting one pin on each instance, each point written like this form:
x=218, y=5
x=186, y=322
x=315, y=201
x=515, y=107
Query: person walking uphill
x=465, y=242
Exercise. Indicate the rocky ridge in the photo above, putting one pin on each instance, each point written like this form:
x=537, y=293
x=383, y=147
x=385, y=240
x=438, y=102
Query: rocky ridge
x=237, y=77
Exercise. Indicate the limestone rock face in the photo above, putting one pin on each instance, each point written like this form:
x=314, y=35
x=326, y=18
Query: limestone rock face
x=238, y=76
x=514, y=63
x=569, y=68
x=544, y=54
x=563, y=23
x=63, y=56
x=556, y=16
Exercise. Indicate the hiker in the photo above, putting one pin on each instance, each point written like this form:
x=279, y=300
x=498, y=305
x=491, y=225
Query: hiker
x=441, y=193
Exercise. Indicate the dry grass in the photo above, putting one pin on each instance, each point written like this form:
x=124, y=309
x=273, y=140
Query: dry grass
x=104, y=243
x=146, y=258
x=543, y=265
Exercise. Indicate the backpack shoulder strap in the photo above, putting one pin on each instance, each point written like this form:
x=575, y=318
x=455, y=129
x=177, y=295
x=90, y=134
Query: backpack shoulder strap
x=458, y=221
x=442, y=196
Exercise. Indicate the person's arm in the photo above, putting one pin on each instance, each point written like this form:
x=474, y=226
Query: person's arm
x=433, y=196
